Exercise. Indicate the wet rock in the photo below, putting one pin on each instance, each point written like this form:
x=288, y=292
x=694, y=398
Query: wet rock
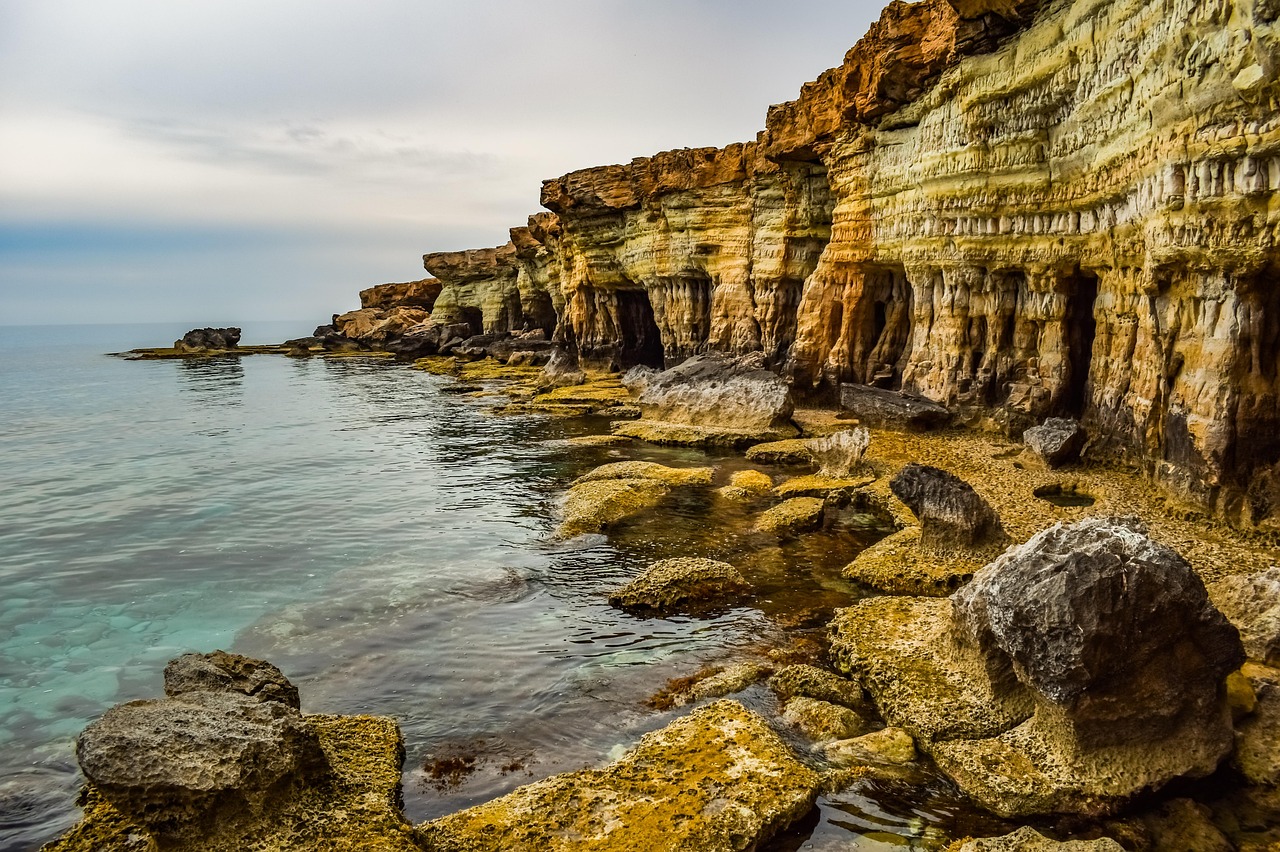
x=885, y=409
x=791, y=451
x=730, y=681
x=596, y=505
x=671, y=476
x=716, y=780
x=1257, y=754
x=713, y=399
x=563, y=369
x=1185, y=826
x=747, y=485
x=890, y=745
x=1027, y=839
x=597, y=441
x=1057, y=441
x=223, y=672
x=897, y=565
x=178, y=766
x=820, y=486
x=683, y=581
x=799, y=514
x=839, y=455
x=951, y=513
x=1252, y=604
x=208, y=340
x=812, y=682
x=822, y=720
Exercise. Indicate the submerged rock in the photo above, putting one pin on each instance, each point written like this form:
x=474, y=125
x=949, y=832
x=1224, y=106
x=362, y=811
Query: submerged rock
x=1027, y=839
x=813, y=682
x=889, y=745
x=717, y=780
x=822, y=720
x=1057, y=441
x=594, y=506
x=678, y=582
x=747, y=485
x=951, y=513
x=799, y=514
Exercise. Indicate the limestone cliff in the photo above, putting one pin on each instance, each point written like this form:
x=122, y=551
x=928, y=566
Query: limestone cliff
x=1017, y=208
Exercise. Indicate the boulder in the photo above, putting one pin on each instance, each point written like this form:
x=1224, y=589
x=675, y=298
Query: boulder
x=951, y=513
x=375, y=327
x=822, y=720
x=680, y=582
x=208, y=340
x=1027, y=839
x=223, y=672
x=813, y=682
x=889, y=745
x=839, y=455
x=594, y=506
x=1057, y=441
x=886, y=409
x=718, y=780
x=178, y=766
x=747, y=485
x=714, y=399
x=790, y=451
x=1252, y=604
x=799, y=514
x=717, y=684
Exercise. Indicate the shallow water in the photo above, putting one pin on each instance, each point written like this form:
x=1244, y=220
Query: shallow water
x=388, y=545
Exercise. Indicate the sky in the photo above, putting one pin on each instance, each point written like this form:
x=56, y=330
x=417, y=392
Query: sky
x=224, y=161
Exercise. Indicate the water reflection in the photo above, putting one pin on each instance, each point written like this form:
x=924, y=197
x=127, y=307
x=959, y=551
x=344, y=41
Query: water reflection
x=213, y=381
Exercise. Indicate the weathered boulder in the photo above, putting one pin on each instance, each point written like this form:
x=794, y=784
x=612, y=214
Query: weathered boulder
x=408, y=294
x=1252, y=604
x=951, y=513
x=723, y=398
x=888, y=745
x=797, y=515
x=717, y=780
x=822, y=720
x=839, y=455
x=223, y=672
x=208, y=340
x=680, y=582
x=178, y=766
x=885, y=409
x=1027, y=839
x=375, y=327
x=1057, y=441
x=812, y=682
x=717, y=683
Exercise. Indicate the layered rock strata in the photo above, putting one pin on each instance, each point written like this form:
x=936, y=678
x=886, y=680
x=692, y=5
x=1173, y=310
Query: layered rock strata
x=1018, y=209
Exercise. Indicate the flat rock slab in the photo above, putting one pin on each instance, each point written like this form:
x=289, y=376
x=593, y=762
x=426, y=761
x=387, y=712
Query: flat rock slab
x=717, y=780
x=898, y=566
x=799, y=514
x=820, y=486
x=901, y=650
x=791, y=451
x=887, y=409
x=684, y=435
x=672, y=476
x=680, y=582
x=594, y=506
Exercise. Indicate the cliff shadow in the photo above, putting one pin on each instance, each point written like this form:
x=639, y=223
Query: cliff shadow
x=1080, y=332
x=640, y=341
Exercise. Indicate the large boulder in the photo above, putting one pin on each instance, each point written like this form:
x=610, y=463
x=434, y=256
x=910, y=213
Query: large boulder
x=714, y=399
x=1057, y=441
x=886, y=409
x=951, y=513
x=718, y=780
x=1071, y=674
x=208, y=340
x=179, y=765
x=680, y=582
x=223, y=672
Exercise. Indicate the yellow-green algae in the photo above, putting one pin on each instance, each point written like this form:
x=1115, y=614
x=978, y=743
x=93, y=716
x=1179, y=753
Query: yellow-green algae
x=358, y=808
x=717, y=780
x=799, y=514
x=819, y=486
x=672, y=476
x=593, y=506
x=790, y=451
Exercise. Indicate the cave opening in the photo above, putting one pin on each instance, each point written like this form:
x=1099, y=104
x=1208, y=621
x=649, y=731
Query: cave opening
x=887, y=332
x=641, y=341
x=1081, y=329
x=473, y=317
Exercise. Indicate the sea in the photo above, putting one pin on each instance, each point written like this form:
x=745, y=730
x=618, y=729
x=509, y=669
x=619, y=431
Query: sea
x=388, y=544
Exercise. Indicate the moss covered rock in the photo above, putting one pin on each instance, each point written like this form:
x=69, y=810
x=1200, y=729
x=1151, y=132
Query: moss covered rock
x=681, y=582
x=799, y=514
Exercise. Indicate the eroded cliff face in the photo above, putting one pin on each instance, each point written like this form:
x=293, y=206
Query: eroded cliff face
x=1017, y=208
x=1082, y=222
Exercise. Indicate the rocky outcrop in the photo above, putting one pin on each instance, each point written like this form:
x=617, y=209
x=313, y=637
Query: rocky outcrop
x=410, y=294
x=200, y=340
x=683, y=582
x=1072, y=673
x=490, y=289
x=375, y=328
x=1027, y=839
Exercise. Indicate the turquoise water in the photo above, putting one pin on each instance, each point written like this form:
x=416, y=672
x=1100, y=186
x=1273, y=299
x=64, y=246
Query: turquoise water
x=386, y=545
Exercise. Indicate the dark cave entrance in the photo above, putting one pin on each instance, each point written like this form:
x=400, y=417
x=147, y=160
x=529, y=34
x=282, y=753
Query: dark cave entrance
x=641, y=342
x=474, y=319
x=1081, y=329
x=886, y=332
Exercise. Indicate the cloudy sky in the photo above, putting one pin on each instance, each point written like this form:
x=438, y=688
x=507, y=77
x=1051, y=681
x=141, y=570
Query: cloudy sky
x=218, y=161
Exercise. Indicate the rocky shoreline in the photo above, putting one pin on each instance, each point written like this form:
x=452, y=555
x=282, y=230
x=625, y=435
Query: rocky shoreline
x=1000, y=289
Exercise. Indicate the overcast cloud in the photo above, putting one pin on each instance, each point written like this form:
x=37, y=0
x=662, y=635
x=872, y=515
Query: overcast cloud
x=231, y=160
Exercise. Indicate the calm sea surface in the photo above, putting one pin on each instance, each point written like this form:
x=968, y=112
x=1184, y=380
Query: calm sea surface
x=386, y=544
